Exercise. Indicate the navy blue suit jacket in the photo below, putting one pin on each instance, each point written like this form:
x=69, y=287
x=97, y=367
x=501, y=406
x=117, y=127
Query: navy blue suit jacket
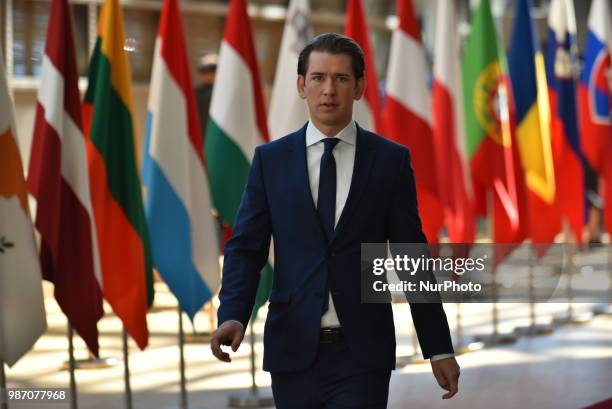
x=277, y=201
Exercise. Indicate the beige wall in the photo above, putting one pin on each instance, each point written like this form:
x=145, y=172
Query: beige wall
x=25, y=110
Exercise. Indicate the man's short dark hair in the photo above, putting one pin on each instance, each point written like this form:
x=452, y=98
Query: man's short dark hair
x=334, y=44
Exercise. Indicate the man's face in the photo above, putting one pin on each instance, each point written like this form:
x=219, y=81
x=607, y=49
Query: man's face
x=330, y=87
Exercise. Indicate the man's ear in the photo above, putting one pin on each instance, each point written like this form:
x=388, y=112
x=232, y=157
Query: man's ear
x=360, y=87
x=301, y=84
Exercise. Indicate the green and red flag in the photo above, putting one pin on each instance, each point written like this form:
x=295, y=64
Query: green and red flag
x=237, y=124
x=127, y=281
x=454, y=180
x=493, y=158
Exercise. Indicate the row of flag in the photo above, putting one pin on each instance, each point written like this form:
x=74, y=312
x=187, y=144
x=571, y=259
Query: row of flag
x=504, y=135
x=543, y=123
x=490, y=127
x=90, y=214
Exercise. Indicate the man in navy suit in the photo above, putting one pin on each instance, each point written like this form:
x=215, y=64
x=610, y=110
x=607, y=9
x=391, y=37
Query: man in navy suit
x=321, y=192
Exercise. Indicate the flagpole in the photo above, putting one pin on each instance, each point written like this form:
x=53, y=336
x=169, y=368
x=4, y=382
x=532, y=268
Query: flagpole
x=181, y=338
x=533, y=328
x=3, y=392
x=412, y=358
x=570, y=287
x=253, y=381
x=606, y=307
x=458, y=329
x=495, y=338
x=126, y=373
x=460, y=346
x=569, y=251
x=71, y=368
x=532, y=312
x=415, y=343
x=494, y=311
x=251, y=398
x=211, y=314
x=572, y=317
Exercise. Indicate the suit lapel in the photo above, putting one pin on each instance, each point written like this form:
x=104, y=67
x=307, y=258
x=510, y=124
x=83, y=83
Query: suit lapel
x=364, y=158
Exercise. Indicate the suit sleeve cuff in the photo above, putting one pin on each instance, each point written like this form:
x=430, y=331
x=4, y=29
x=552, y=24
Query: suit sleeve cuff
x=438, y=357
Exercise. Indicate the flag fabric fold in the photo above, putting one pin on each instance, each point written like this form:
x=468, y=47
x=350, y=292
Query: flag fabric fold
x=22, y=309
x=184, y=242
x=407, y=114
x=489, y=137
x=528, y=76
x=595, y=99
x=566, y=147
x=237, y=123
x=127, y=281
x=288, y=111
x=57, y=178
x=367, y=111
x=448, y=128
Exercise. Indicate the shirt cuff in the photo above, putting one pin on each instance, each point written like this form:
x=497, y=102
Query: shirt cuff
x=438, y=357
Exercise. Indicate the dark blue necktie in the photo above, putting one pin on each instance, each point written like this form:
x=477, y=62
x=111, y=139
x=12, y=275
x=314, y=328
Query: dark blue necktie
x=326, y=200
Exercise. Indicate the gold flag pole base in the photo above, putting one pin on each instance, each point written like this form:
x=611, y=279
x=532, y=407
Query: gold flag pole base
x=470, y=347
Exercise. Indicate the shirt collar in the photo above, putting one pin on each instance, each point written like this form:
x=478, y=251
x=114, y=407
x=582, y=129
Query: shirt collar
x=348, y=134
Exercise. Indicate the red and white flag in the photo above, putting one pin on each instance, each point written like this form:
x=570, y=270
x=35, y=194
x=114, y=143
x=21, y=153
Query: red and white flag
x=367, y=109
x=58, y=179
x=407, y=114
x=454, y=181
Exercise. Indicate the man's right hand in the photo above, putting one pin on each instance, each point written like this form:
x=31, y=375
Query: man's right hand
x=228, y=333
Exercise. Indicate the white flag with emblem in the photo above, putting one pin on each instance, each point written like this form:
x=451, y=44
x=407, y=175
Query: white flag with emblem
x=287, y=110
x=22, y=311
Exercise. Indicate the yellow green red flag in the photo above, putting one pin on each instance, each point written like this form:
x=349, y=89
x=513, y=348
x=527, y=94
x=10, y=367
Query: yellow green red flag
x=127, y=281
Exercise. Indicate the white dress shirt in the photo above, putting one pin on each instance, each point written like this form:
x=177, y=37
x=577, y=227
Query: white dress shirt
x=344, y=155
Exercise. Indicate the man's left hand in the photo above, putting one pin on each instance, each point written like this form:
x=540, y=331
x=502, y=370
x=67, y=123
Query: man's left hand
x=447, y=372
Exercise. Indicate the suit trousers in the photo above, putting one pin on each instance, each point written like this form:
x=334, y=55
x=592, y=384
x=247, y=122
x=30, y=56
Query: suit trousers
x=336, y=380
